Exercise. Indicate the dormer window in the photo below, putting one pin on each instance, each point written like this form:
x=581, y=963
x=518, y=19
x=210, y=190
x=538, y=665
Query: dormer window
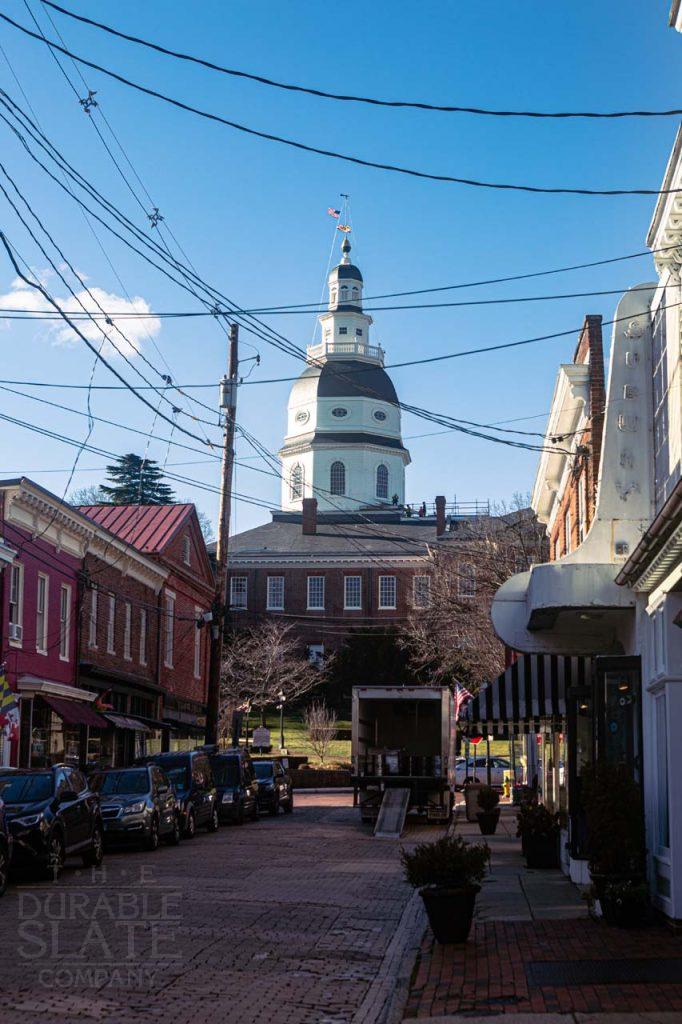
x=186, y=550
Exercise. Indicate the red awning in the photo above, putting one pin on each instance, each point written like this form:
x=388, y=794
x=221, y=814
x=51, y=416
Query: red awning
x=75, y=712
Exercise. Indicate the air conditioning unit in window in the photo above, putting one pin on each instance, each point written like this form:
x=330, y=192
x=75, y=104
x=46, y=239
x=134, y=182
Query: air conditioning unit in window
x=15, y=631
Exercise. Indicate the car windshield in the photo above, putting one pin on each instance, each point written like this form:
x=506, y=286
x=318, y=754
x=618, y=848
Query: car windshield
x=263, y=769
x=110, y=783
x=177, y=773
x=20, y=789
x=225, y=771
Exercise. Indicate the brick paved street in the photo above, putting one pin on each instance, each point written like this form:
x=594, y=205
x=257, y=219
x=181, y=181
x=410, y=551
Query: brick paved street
x=291, y=920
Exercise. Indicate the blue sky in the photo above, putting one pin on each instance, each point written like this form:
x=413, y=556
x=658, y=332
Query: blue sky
x=252, y=215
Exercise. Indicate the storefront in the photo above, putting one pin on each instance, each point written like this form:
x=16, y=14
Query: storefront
x=55, y=723
x=131, y=727
x=186, y=721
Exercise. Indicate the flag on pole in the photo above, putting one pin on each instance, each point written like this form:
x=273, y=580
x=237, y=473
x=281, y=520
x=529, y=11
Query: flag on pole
x=343, y=227
x=333, y=213
x=9, y=708
x=462, y=696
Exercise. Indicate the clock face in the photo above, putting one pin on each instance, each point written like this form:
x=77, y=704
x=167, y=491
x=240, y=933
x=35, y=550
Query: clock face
x=379, y=415
x=302, y=416
x=339, y=412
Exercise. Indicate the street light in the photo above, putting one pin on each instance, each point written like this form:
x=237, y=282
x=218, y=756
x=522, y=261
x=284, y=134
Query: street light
x=282, y=700
x=248, y=711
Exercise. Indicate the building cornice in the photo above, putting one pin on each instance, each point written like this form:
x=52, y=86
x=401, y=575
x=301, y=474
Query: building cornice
x=665, y=230
x=659, y=550
x=272, y=560
x=568, y=414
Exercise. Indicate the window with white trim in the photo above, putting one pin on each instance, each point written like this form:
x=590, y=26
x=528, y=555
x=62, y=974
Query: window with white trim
x=197, y=643
x=421, y=591
x=111, y=625
x=275, y=597
x=316, y=593
x=466, y=581
x=382, y=481
x=239, y=591
x=127, y=630
x=387, y=591
x=567, y=531
x=352, y=593
x=42, y=598
x=64, y=621
x=169, y=630
x=92, y=619
x=581, y=509
x=16, y=603
x=337, y=478
x=143, y=636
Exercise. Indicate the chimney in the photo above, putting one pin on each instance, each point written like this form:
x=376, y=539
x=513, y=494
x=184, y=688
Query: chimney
x=310, y=516
x=440, y=515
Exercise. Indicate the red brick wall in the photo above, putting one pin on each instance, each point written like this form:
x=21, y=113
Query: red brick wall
x=180, y=679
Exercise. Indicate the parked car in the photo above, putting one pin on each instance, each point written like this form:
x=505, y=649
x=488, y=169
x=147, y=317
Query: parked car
x=236, y=784
x=6, y=843
x=52, y=814
x=138, y=805
x=275, y=788
x=476, y=770
x=192, y=781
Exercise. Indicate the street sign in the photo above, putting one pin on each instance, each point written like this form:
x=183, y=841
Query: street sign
x=261, y=737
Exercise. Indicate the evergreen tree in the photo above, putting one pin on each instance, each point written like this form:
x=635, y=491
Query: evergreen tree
x=136, y=481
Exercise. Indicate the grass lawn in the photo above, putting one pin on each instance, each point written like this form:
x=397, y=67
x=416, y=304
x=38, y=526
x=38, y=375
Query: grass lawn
x=296, y=739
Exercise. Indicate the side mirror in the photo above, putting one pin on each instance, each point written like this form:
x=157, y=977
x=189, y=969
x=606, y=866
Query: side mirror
x=67, y=795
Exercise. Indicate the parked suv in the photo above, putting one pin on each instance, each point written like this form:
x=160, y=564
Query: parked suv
x=192, y=780
x=138, y=805
x=52, y=814
x=236, y=784
x=275, y=788
x=5, y=847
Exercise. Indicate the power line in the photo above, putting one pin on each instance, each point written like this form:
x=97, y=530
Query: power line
x=345, y=157
x=350, y=98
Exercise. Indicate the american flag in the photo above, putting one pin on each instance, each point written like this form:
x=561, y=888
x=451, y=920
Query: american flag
x=333, y=213
x=462, y=695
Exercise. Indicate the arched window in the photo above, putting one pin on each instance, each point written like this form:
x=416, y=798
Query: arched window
x=337, y=478
x=382, y=481
x=296, y=482
x=355, y=293
x=344, y=293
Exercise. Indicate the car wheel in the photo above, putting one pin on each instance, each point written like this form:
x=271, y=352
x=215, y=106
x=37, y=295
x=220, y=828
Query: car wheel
x=153, y=837
x=274, y=810
x=214, y=821
x=4, y=870
x=95, y=855
x=55, y=857
x=175, y=835
x=191, y=826
x=289, y=805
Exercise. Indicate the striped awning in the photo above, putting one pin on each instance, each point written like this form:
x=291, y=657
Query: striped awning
x=527, y=695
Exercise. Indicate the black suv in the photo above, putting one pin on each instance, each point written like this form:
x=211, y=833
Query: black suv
x=5, y=849
x=138, y=805
x=275, y=788
x=236, y=784
x=52, y=813
x=192, y=779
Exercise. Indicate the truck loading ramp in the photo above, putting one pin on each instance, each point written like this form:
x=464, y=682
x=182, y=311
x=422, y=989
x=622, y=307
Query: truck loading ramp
x=392, y=813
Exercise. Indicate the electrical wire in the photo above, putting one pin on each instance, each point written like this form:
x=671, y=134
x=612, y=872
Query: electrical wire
x=349, y=98
x=345, y=157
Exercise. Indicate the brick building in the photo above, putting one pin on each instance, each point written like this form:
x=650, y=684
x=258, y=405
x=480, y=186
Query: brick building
x=169, y=536
x=565, y=490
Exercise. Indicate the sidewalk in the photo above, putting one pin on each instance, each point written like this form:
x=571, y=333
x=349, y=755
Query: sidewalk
x=533, y=949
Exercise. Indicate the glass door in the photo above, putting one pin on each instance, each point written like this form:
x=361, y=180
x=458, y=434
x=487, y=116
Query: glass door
x=619, y=713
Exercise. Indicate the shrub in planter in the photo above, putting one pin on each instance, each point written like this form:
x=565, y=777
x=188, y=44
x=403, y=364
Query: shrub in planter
x=447, y=873
x=615, y=826
x=539, y=831
x=626, y=904
x=489, y=814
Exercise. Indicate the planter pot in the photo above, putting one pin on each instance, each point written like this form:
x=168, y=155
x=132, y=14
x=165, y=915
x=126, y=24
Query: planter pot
x=625, y=913
x=600, y=882
x=541, y=851
x=487, y=821
x=450, y=911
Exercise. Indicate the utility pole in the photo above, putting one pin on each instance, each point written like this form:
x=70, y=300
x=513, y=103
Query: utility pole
x=228, y=405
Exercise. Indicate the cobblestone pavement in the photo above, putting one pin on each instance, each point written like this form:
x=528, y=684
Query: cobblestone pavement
x=302, y=919
x=527, y=918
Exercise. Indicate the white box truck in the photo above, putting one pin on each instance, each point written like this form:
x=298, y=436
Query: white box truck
x=403, y=752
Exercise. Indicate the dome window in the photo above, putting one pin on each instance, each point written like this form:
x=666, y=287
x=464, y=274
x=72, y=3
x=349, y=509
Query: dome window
x=296, y=482
x=382, y=481
x=379, y=415
x=337, y=478
x=339, y=412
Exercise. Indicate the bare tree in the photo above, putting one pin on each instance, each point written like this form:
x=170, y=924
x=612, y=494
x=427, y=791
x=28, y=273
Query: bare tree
x=260, y=666
x=452, y=638
x=320, y=725
x=91, y=495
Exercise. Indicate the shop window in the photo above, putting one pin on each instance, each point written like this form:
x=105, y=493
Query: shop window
x=275, y=595
x=316, y=593
x=64, y=621
x=387, y=592
x=16, y=604
x=42, y=598
x=352, y=592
